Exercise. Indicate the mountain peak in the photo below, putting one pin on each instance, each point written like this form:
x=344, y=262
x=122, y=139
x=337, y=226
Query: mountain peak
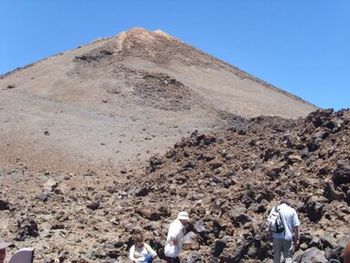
x=143, y=34
x=143, y=31
x=143, y=87
x=138, y=30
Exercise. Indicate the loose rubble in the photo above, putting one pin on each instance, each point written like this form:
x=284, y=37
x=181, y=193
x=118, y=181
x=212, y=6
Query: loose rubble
x=228, y=181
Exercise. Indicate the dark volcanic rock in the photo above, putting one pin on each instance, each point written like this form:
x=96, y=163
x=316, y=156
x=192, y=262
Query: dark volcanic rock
x=341, y=174
x=143, y=191
x=218, y=248
x=4, y=205
x=27, y=228
x=314, y=210
x=193, y=257
x=331, y=193
x=154, y=214
x=155, y=162
x=93, y=205
x=227, y=181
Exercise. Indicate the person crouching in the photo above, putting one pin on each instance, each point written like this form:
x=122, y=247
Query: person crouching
x=141, y=252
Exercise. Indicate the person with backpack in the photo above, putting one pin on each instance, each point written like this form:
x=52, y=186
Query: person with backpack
x=283, y=223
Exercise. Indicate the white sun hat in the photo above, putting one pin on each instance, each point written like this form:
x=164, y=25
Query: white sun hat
x=183, y=216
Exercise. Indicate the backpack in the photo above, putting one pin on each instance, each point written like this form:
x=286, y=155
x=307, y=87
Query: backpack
x=275, y=222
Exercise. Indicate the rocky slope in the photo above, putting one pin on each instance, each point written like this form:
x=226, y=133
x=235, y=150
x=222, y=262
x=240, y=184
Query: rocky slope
x=227, y=181
x=119, y=100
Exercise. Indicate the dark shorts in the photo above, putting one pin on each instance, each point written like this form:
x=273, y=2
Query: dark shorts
x=172, y=260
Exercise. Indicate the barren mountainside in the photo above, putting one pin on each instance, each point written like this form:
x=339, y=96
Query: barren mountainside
x=119, y=100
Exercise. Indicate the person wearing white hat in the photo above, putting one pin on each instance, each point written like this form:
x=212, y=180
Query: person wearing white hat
x=175, y=235
x=3, y=246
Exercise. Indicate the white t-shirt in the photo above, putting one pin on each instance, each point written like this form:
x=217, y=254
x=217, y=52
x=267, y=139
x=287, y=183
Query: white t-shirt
x=290, y=220
x=176, y=233
x=138, y=254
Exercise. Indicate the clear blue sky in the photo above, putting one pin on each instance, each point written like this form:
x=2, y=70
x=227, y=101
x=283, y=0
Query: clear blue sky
x=300, y=46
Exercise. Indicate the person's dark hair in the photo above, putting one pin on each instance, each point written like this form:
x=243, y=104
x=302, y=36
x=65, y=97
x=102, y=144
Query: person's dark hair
x=285, y=201
x=138, y=238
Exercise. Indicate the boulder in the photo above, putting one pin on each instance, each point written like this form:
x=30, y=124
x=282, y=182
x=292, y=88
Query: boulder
x=154, y=213
x=215, y=165
x=218, y=247
x=315, y=242
x=43, y=197
x=50, y=186
x=155, y=162
x=294, y=158
x=206, y=140
x=331, y=193
x=143, y=191
x=334, y=125
x=294, y=141
x=57, y=225
x=313, y=255
x=190, y=241
x=306, y=237
x=4, y=205
x=341, y=174
x=314, y=144
x=273, y=170
x=193, y=257
x=199, y=227
x=270, y=153
x=189, y=165
x=314, y=210
x=239, y=252
x=328, y=241
x=63, y=256
x=239, y=216
x=26, y=228
x=93, y=205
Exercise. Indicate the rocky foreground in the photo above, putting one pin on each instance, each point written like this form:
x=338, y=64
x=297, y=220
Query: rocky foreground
x=227, y=181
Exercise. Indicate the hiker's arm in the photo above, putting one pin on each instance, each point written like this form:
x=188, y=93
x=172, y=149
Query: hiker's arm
x=296, y=235
x=296, y=224
x=269, y=232
x=173, y=235
x=150, y=250
x=269, y=235
x=132, y=253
